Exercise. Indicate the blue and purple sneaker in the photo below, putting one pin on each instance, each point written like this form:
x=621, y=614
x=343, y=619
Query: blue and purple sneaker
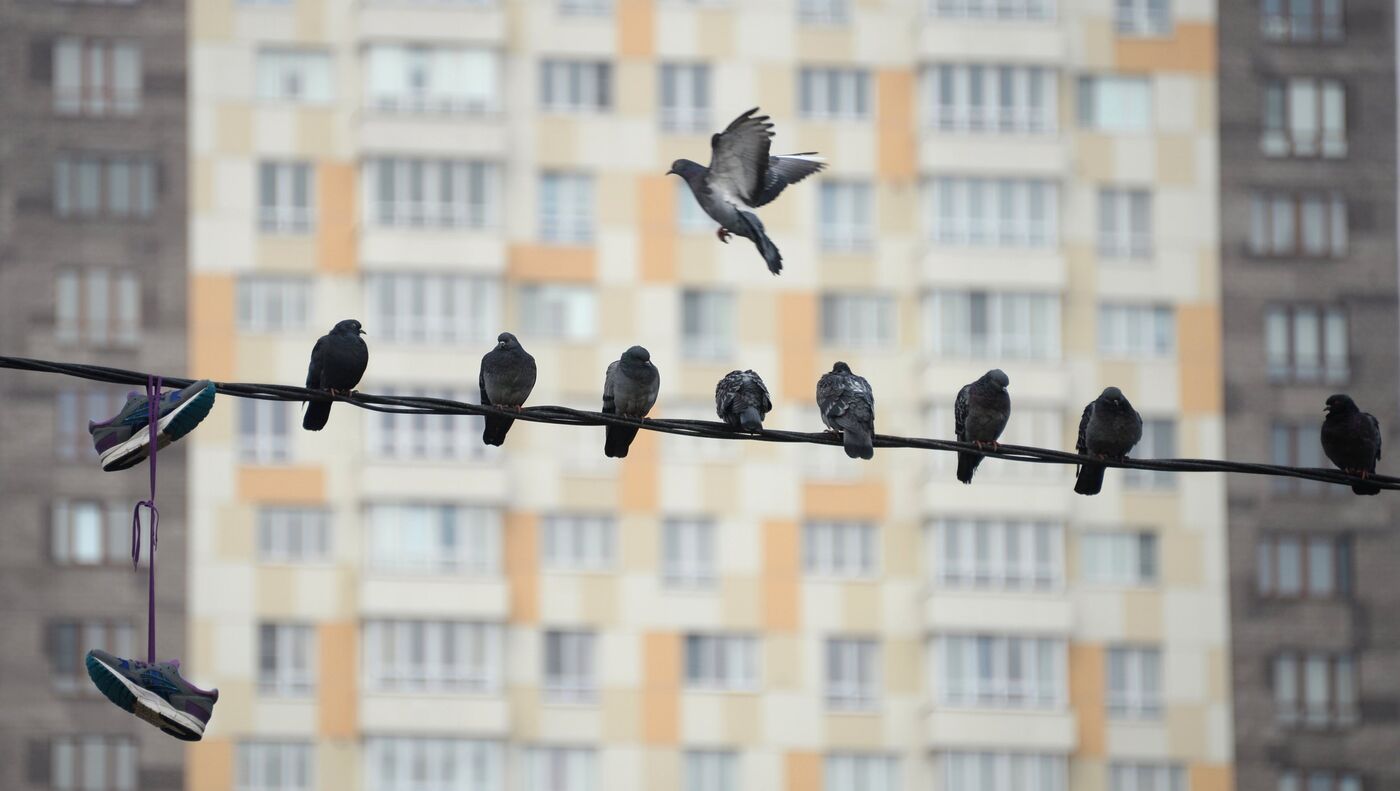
x=154, y=693
x=124, y=441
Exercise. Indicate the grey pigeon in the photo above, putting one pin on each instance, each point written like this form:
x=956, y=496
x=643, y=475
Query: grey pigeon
x=338, y=360
x=741, y=177
x=1108, y=429
x=847, y=405
x=506, y=379
x=979, y=415
x=629, y=389
x=1352, y=440
x=741, y=400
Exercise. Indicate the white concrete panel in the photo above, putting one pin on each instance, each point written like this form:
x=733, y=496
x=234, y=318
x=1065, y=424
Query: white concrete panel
x=961, y=613
x=455, y=716
x=433, y=597
x=1027, y=731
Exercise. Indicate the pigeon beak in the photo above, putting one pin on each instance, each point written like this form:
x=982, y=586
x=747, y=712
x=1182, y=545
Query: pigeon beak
x=362, y=331
x=671, y=172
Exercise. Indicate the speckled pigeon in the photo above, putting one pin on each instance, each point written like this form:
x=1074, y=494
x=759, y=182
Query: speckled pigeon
x=847, y=405
x=338, y=360
x=980, y=414
x=741, y=177
x=1108, y=429
x=741, y=400
x=1352, y=440
x=629, y=389
x=506, y=379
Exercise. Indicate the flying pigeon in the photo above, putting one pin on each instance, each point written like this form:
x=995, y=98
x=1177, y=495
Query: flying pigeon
x=338, y=360
x=629, y=389
x=1352, y=440
x=847, y=405
x=741, y=400
x=506, y=379
x=979, y=416
x=741, y=177
x=1109, y=428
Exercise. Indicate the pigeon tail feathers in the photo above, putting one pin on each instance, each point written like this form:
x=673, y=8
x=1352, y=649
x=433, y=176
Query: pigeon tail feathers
x=751, y=420
x=1365, y=488
x=495, y=431
x=858, y=442
x=1090, y=479
x=765, y=246
x=967, y=465
x=618, y=441
x=317, y=413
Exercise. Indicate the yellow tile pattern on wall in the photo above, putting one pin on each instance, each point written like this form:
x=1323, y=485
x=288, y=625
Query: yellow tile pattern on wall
x=894, y=101
x=522, y=567
x=211, y=335
x=552, y=263
x=797, y=335
x=1086, y=697
x=661, y=673
x=209, y=765
x=781, y=604
x=336, y=249
x=1199, y=341
x=1190, y=48
x=337, y=693
x=289, y=485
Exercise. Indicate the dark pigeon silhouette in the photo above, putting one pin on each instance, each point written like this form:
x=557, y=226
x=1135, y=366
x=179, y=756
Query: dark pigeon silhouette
x=1108, y=429
x=1352, y=440
x=338, y=360
x=847, y=405
x=741, y=177
x=742, y=401
x=506, y=379
x=980, y=414
x=629, y=389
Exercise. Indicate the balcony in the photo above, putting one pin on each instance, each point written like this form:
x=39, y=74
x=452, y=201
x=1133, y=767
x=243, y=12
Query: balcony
x=1021, y=731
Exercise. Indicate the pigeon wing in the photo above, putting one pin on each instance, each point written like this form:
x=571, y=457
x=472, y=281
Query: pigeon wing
x=313, y=371
x=739, y=158
x=785, y=170
x=960, y=415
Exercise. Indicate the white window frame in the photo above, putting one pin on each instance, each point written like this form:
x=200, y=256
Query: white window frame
x=962, y=770
x=391, y=762
x=1315, y=689
x=1160, y=440
x=293, y=654
x=69, y=640
x=853, y=673
x=846, y=212
x=294, y=535
x=841, y=549
x=1134, y=681
x=990, y=98
x=407, y=538
x=1307, y=343
x=574, y=86
x=711, y=770
x=566, y=215
x=451, y=194
x=272, y=304
x=1125, y=224
x=708, y=323
x=88, y=532
x=1116, y=104
x=723, y=662
x=96, y=76
x=574, y=655
x=1014, y=325
x=1136, y=331
x=1120, y=558
x=1325, y=22
x=859, y=320
x=417, y=656
x=108, y=763
x=689, y=547
x=992, y=10
x=285, y=214
x=275, y=766
x=684, y=97
x=559, y=312
x=431, y=308
x=97, y=306
x=1148, y=18
x=104, y=186
x=265, y=431
x=578, y=542
x=830, y=93
x=295, y=75
x=432, y=79
x=1310, y=224
x=1000, y=671
x=1304, y=117
x=561, y=768
x=853, y=771
x=982, y=212
x=995, y=554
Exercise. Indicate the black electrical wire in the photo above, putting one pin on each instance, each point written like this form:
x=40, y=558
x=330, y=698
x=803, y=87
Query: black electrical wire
x=417, y=405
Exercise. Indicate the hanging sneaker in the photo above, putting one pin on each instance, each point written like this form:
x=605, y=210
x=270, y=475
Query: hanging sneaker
x=154, y=693
x=124, y=441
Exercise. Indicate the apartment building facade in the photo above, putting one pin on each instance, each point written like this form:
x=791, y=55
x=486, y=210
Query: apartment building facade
x=1028, y=185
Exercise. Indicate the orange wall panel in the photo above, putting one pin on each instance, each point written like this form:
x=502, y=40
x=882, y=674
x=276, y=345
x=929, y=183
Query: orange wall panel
x=894, y=92
x=1199, y=347
x=797, y=334
x=661, y=687
x=864, y=500
x=1086, y=697
x=1190, y=47
x=804, y=771
x=657, y=210
x=336, y=249
x=636, y=28
x=781, y=604
x=522, y=566
x=211, y=300
x=541, y=262
x=210, y=765
x=293, y=485
x=337, y=694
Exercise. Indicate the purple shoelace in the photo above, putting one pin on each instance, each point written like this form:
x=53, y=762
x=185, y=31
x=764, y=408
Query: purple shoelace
x=153, y=384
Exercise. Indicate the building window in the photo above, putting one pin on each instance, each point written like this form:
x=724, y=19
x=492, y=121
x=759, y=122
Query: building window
x=275, y=766
x=566, y=208
x=1296, y=445
x=432, y=656
x=73, y=409
x=1158, y=442
x=824, y=12
x=858, y=320
x=987, y=212
x=711, y=770
x=578, y=542
x=852, y=673
x=408, y=78
x=561, y=769
x=294, y=535
x=1306, y=224
x=68, y=644
x=286, y=659
x=1125, y=224
x=1134, y=682
x=970, y=771
x=688, y=553
x=1124, y=776
x=992, y=324
x=1302, y=20
x=1000, y=672
x=995, y=554
x=433, y=193
x=725, y=662
x=1315, y=780
x=1115, y=104
x=999, y=10
x=585, y=7
x=840, y=549
x=707, y=324
x=101, y=307
x=92, y=763
x=860, y=772
x=1127, y=559
x=575, y=86
x=1304, y=117
x=685, y=97
x=104, y=186
x=1302, y=566
x=285, y=202
x=1137, y=332
x=559, y=312
x=690, y=218
x=294, y=75
x=963, y=97
x=401, y=763
x=1144, y=17
x=89, y=533
x=845, y=216
x=1315, y=690
x=832, y=94
x=425, y=438
x=1307, y=343
x=264, y=431
x=432, y=309
x=569, y=673
x=274, y=304
x=96, y=76
x=435, y=539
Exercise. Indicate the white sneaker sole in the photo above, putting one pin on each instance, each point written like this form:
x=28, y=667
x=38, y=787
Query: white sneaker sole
x=118, y=457
x=153, y=709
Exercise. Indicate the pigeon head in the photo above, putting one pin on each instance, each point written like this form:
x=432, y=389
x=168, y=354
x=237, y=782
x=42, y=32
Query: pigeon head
x=637, y=354
x=998, y=377
x=1340, y=404
x=506, y=340
x=685, y=169
x=348, y=327
x=840, y=368
x=1114, y=396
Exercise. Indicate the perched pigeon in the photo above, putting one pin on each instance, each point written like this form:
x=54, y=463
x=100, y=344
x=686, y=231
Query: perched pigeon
x=629, y=389
x=980, y=415
x=741, y=177
x=1109, y=428
x=338, y=360
x=1352, y=440
x=741, y=400
x=847, y=405
x=506, y=379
